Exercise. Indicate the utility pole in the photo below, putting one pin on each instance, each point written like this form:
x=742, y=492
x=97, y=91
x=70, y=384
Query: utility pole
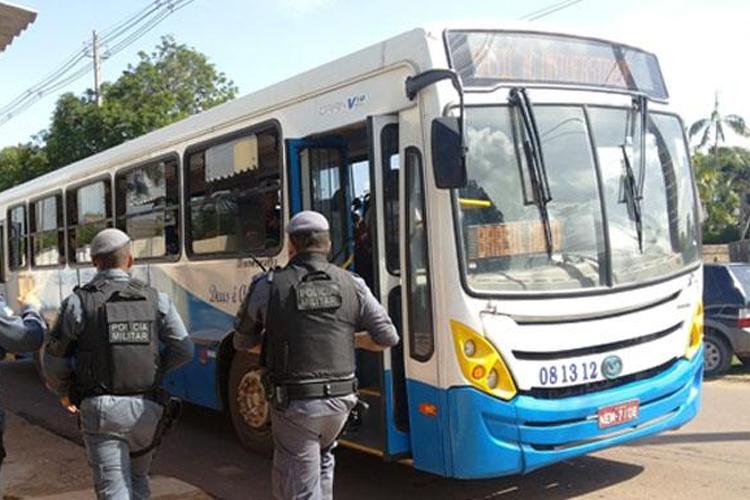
x=97, y=76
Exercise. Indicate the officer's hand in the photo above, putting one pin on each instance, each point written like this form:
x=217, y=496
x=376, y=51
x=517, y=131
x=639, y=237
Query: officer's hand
x=364, y=341
x=30, y=299
x=65, y=402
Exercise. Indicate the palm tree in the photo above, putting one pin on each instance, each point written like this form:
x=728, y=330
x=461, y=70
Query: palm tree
x=714, y=125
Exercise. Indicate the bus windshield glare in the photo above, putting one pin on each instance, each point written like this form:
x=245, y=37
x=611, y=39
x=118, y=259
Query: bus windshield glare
x=594, y=230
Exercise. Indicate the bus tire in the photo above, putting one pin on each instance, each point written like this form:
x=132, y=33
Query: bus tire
x=717, y=355
x=249, y=410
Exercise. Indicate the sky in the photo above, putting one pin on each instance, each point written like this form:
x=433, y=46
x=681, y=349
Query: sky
x=701, y=44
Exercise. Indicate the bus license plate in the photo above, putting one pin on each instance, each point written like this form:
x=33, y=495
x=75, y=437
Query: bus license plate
x=610, y=416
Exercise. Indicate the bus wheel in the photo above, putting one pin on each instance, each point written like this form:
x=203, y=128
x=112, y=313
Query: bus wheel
x=251, y=413
x=717, y=355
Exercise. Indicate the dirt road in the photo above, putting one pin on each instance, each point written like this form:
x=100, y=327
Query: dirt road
x=708, y=458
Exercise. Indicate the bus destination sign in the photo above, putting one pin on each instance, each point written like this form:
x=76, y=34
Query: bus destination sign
x=487, y=59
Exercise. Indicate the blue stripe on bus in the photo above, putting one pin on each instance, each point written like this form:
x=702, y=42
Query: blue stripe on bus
x=197, y=381
x=488, y=437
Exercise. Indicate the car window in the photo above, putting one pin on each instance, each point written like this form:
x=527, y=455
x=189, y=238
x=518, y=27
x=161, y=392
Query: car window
x=742, y=275
x=726, y=292
x=711, y=292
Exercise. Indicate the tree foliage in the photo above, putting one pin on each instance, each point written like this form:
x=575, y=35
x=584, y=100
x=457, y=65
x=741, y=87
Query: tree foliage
x=21, y=163
x=165, y=86
x=723, y=179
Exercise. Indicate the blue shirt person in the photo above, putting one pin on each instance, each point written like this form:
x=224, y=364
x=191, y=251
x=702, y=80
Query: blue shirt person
x=18, y=334
x=113, y=426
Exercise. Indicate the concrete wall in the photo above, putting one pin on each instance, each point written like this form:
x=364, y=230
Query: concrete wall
x=716, y=253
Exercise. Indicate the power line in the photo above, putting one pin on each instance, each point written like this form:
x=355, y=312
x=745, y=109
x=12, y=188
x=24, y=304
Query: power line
x=550, y=9
x=115, y=29
x=132, y=38
x=119, y=36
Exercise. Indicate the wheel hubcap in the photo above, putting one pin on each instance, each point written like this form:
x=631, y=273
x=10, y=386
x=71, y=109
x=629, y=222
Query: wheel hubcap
x=251, y=399
x=711, y=355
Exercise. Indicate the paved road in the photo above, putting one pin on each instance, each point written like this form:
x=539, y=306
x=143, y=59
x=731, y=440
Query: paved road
x=709, y=458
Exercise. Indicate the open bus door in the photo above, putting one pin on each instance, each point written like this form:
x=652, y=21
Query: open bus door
x=385, y=167
x=318, y=180
x=321, y=179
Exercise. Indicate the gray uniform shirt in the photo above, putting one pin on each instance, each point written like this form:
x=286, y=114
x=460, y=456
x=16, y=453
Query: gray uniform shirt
x=19, y=333
x=178, y=348
x=250, y=319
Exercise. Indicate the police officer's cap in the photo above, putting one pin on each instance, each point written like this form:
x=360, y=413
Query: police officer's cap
x=308, y=221
x=107, y=241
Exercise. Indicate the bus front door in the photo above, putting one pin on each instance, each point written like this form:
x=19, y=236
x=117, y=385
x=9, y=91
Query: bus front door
x=383, y=222
x=318, y=180
x=351, y=176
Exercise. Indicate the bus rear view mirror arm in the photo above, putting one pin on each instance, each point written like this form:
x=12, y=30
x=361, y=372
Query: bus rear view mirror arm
x=448, y=144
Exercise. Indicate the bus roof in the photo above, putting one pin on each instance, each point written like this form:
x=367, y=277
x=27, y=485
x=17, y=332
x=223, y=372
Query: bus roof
x=421, y=48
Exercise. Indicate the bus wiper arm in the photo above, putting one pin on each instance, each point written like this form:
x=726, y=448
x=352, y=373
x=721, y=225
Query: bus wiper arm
x=632, y=196
x=532, y=148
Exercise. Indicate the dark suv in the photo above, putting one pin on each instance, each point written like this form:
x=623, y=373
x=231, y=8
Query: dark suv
x=726, y=299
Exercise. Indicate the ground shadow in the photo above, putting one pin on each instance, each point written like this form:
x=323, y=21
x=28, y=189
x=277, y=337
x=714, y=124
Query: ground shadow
x=704, y=437
x=364, y=477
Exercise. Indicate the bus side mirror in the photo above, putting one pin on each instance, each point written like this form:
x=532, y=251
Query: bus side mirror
x=448, y=159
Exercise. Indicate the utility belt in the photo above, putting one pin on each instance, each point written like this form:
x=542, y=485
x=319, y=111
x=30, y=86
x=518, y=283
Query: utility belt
x=172, y=409
x=281, y=394
x=156, y=395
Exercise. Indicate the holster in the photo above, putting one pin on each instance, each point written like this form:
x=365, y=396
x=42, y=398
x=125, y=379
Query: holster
x=354, y=421
x=171, y=413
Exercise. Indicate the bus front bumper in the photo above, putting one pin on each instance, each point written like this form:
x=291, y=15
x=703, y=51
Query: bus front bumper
x=491, y=438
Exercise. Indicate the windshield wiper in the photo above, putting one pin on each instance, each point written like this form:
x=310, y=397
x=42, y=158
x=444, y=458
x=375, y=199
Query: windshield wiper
x=632, y=197
x=634, y=185
x=532, y=148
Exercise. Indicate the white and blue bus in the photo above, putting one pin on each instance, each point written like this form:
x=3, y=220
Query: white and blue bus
x=521, y=201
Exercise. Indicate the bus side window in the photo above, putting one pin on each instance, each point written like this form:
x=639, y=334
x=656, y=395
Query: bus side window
x=47, y=232
x=421, y=334
x=234, y=196
x=147, y=207
x=17, y=238
x=89, y=211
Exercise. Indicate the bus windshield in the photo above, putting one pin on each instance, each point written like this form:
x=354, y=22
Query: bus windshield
x=589, y=201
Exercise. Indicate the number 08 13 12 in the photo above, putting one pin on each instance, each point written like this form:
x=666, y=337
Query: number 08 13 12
x=569, y=373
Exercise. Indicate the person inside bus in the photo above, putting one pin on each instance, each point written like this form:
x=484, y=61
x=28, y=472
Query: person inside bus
x=363, y=251
x=19, y=334
x=114, y=340
x=306, y=316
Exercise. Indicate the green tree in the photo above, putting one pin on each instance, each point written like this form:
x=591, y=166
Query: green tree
x=714, y=126
x=21, y=163
x=165, y=86
x=723, y=179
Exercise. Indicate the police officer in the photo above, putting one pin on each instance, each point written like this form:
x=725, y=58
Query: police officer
x=114, y=340
x=18, y=334
x=310, y=311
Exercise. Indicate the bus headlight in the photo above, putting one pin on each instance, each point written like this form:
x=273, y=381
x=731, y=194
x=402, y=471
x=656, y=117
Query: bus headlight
x=696, y=332
x=481, y=364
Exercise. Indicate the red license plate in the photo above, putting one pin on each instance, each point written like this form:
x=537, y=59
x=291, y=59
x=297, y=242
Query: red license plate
x=617, y=414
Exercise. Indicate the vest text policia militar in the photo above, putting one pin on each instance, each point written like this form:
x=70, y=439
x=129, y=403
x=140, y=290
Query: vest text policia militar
x=312, y=315
x=118, y=351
